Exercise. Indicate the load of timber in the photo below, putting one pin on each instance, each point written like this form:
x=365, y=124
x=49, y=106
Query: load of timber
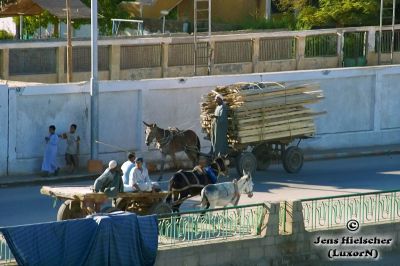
x=264, y=111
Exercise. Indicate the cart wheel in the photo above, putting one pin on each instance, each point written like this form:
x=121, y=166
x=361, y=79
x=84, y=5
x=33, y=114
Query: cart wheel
x=122, y=204
x=109, y=209
x=263, y=155
x=160, y=208
x=247, y=162
x=70, y=210
x=293, y=158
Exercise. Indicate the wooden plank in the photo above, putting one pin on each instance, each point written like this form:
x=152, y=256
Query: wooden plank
x=275, y=136
x=265, y=125
x=279, y=128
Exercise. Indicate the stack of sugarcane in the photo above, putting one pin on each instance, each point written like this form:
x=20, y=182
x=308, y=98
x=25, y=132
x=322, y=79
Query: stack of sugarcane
x=264, y=111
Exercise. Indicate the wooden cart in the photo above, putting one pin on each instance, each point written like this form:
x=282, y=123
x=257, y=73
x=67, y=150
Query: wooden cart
x=80, y=201
x=259, y=156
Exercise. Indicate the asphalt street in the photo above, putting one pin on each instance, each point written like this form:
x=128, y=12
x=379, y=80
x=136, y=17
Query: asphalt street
x=25, y=205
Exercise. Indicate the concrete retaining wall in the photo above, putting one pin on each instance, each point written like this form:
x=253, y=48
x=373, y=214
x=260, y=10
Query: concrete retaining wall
x=361, y=105
x=295, y=247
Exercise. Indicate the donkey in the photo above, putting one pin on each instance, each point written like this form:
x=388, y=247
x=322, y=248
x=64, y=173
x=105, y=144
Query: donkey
x=169, y=141
x=223, y=194
x=186, y=184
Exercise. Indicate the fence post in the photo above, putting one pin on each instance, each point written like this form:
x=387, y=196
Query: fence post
x=372, y=58
x=339, y=49
x=115, y=61
x=300, y=51
x=5, y=64
x=212, y=56
x=294, y=219
x=256, y=54
x=270, y=225
x=164, y=59
x=60, y=61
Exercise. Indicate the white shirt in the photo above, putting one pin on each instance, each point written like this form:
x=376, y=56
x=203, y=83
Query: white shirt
x=72, y=143
x=126, y=168
x=140, y=178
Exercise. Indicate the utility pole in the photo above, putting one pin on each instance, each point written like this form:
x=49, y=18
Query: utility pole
x=94, y=86
x=69, y=42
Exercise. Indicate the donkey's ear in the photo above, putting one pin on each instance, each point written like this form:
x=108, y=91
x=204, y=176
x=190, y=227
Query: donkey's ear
x=219, y=154
x=244, y=173
x=146, y=124
x=154, y=125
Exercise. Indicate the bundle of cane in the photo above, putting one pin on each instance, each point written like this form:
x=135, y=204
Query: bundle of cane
x=264, y=111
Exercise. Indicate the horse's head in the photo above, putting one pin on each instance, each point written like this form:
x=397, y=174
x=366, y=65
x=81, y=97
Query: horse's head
x=151, y=132
x=246, y=184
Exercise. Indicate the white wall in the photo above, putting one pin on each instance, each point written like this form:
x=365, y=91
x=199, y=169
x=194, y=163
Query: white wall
x=362, y=106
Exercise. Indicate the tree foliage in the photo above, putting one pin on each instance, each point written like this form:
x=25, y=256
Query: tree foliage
x=328, y=13
x=108, y=9
x=33, y=23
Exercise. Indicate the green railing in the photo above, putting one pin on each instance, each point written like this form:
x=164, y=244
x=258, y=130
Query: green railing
x=205, y=225
x=366, y=208
x=6, y=256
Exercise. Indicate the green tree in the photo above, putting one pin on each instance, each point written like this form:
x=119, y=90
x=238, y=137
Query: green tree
x=108, y=9
x=32, y=23
x=328, y=13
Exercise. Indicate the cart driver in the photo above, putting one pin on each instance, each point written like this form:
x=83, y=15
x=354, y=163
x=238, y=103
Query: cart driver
x=110, y=182
x=139, y=179
x=219, y=127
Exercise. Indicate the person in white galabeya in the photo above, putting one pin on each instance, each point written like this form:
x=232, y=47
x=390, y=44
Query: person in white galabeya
x=127, y=167
x=49, y=164
x=139, y=179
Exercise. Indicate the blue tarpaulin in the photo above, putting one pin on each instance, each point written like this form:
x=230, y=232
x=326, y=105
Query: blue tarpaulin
x=110, y=239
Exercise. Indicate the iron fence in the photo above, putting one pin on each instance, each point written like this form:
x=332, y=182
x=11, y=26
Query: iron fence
x=140, y=56
x=182, y=54
x=366, y=208
x=277, y=48
x=387, y=40
x=233, y=52
x=214, y=224
x=81, y=59
x=321, y=45
x=32, y=61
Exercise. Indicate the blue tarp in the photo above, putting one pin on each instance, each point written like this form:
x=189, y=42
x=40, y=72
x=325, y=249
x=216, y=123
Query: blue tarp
x=110, y=239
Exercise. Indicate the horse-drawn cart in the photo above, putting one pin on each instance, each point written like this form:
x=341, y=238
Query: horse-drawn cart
x=79, y=201
x=264, y=119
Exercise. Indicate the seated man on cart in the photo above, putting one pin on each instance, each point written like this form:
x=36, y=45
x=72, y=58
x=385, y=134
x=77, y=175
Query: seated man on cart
x=139, y=179
x=110, y=182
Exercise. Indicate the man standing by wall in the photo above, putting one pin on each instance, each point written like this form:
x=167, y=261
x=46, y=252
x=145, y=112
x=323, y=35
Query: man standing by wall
x=219, y=127
x=49, y=164
x=71, y=154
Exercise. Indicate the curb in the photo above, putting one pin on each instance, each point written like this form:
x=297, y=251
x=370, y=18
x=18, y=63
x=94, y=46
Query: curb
x=47, y=180
x=350, y=154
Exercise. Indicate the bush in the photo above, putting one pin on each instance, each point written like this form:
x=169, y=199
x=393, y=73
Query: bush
x=5, y=35
x=278, y=21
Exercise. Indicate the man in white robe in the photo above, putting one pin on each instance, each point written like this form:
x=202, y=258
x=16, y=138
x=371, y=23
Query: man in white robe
x=127, y=167
x=139, y=179
x=49, y=164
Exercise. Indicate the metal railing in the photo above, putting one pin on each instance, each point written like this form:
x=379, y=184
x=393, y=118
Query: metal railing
x=277, y=48
x=366, y=208
x=321, y=45
x=213, y=224
x=5, y=253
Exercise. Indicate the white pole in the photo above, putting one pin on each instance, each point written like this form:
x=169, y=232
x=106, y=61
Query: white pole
x=94, y=86
x=21, y=27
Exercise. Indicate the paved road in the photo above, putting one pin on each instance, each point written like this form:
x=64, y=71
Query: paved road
x=24, y=205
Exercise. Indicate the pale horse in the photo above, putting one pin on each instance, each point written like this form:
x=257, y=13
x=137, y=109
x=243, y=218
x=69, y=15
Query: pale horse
x=226, y=193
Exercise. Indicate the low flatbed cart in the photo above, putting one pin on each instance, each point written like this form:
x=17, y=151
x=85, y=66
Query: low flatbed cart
x=258, y=156
x=79, y=201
